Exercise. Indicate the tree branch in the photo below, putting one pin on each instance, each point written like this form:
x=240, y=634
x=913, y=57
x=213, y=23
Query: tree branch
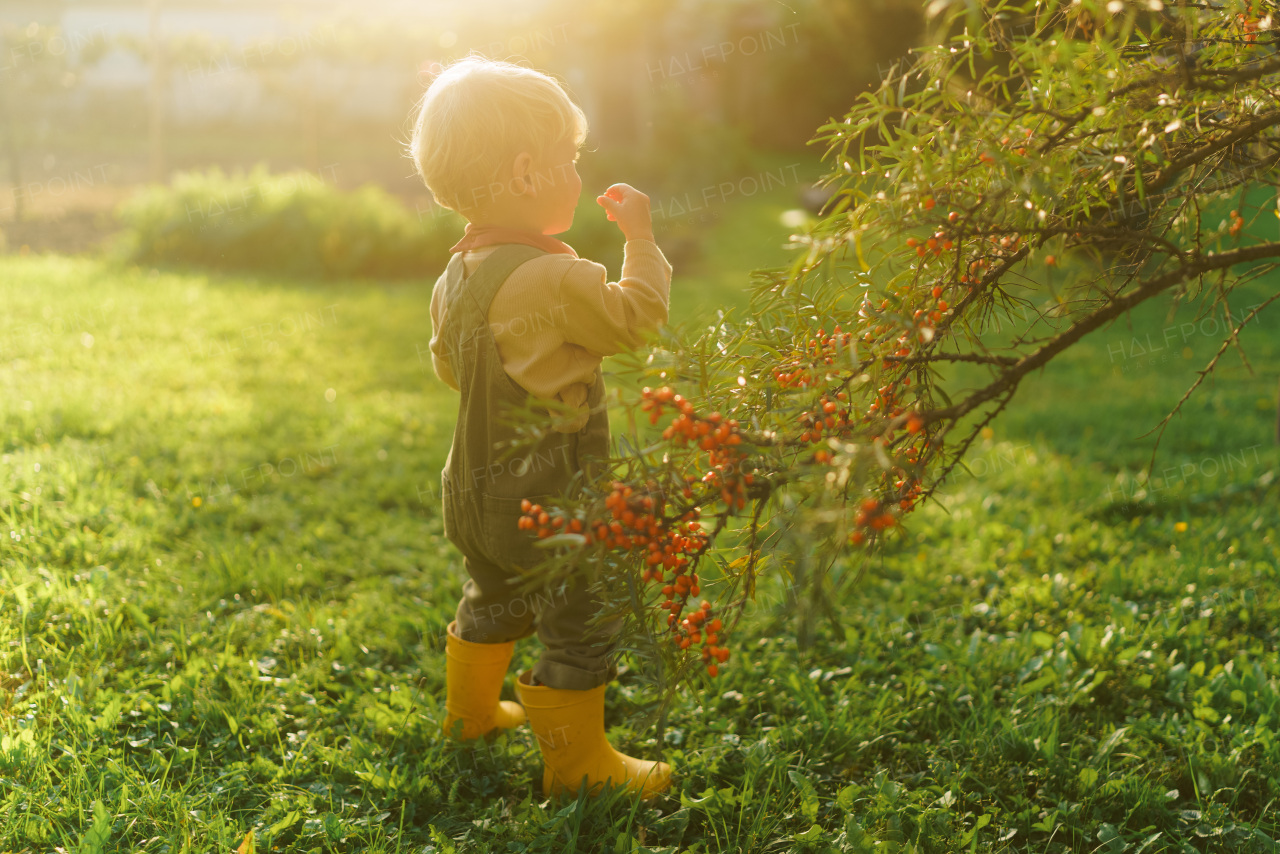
x=1112, y=310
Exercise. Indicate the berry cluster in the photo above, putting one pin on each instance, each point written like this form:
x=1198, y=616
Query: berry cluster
x=831, y=415
x=639, y=524
x=654, y=401
x=822, y=350
x=940, y=306
x=798, y=377
x=690, y=632
x=872, y=516
x=905, y=482
x=718, y=436
x=1237, y=223
x=827, y=347
x=937, y=244
x=922, y=320
x=887, y=399
x=1249, y=25
x=911, y=487
x=545, y=524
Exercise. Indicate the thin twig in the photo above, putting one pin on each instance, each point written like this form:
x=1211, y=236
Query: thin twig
x=1208, y=369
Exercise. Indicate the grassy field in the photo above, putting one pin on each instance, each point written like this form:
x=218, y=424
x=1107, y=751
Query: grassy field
x=223, y=592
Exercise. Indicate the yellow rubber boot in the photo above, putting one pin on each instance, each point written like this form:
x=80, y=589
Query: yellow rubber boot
x=473, y=679
x=569, y=726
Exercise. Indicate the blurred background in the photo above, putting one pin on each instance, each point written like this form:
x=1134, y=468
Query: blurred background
x=706, y=105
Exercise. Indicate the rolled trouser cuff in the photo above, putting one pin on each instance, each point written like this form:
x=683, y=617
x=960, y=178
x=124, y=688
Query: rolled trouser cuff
x=571, y=677
x=488, y=617
x=488, y=631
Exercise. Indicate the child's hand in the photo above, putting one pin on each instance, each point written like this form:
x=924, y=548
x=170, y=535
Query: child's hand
x=628, y=207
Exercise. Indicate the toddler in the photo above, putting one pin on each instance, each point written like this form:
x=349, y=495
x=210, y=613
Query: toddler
x=515, y=316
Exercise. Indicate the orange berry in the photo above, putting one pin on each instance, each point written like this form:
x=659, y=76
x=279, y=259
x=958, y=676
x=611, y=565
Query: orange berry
x=712, y=670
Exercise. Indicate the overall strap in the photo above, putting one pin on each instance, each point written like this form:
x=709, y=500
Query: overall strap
x=467, y=301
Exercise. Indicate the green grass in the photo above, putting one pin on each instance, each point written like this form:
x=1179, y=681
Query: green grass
x=1042, y=666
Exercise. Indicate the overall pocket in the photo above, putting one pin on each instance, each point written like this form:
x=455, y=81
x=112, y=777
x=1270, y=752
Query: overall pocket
x=462, y=515
x=503, y=539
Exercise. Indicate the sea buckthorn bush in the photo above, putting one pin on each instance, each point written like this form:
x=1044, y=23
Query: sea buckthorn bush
x=1035, y=173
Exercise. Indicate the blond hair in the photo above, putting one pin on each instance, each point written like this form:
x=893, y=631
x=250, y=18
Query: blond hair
x=476, y=116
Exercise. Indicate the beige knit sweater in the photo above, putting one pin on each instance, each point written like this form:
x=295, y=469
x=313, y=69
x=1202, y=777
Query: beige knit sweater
x=556, y=317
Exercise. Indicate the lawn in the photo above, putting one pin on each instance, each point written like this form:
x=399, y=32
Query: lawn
x=224, y=587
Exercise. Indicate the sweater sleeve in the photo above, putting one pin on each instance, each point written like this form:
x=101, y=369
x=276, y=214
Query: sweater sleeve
x=439, y=357
x=609, y=317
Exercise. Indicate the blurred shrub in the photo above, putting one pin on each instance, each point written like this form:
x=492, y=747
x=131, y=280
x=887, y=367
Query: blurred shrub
x=292, y=223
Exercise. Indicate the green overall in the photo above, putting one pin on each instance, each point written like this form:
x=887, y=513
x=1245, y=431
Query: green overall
x=482, y=487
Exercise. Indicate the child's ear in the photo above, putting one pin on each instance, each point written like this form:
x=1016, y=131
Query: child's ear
x=521, y=168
